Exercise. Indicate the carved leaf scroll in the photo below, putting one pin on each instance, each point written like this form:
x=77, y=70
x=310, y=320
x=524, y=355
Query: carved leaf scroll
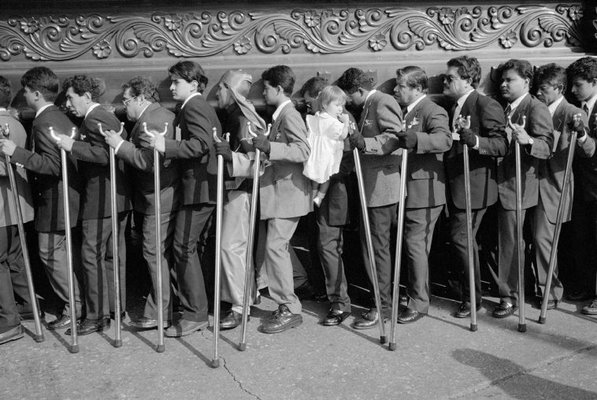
x=325, y=31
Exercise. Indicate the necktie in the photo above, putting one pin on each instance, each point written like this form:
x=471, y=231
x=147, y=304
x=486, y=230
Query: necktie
x=585, y=108
x=457, y=111
x=507, y=111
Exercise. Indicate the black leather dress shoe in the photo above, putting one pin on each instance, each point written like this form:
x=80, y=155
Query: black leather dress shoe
x=408, y=316
x=59, y=323
x=11, y=334
x=368, y=320
x=503, y=310
x=464, y=311
x=185, y=327
x=89, y=326
x=335, y=317
x=281, y=320
x=590, y=309
x=231, y=320
x=144, y=323
x=551, y=303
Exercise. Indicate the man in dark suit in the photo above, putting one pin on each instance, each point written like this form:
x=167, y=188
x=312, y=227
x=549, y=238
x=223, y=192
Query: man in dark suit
x=486, y=139
x=13, y=278
x=381, y=116
x=550, y=82
x=40, y=89
x=582, y=77
x=426, y=137
x=536, y=138
x=198, y=168
x=91, y=153
x=140, y=98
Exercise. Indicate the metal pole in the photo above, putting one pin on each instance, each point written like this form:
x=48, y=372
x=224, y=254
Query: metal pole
x=559, y=217
x=398, y=260
x=39, y=335
x=74, y=348
x=215, y=362
x=248, y=289
x=115, y=258
x=160, y=348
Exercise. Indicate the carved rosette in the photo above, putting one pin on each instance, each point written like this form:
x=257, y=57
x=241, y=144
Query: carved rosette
x=51, y=38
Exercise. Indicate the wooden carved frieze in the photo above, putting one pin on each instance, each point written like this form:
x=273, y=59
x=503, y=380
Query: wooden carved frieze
x=329, y=31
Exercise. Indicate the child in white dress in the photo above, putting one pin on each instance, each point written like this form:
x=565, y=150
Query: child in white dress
x=327, y=130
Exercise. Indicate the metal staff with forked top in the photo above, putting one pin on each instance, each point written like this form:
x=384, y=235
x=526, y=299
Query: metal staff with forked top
x=74, y=348
x=465, y=123
x=242, y=345
x=559, y=217
x=160, y=348
x=115, y=258
x=522, y=326
x=370, y=251
x=39, y=335
x=215, y=362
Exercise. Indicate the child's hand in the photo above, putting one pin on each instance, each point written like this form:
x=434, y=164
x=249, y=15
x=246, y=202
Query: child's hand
x=343, y=118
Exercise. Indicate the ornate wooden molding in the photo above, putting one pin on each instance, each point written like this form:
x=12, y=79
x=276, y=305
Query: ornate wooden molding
x=329, y=31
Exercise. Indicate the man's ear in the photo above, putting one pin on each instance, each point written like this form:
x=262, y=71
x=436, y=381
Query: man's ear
x=87, y=95
x=195, y=86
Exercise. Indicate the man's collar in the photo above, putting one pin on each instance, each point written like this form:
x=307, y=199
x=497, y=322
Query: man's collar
x=462, y=99
x=279, y=109
x=590, y=103
x=91, y=107
x=517, y=102
x=414, y=103
x=42, y=109
x=144, y=108
x=554, y=106
x=369, y=94
x=189, y=98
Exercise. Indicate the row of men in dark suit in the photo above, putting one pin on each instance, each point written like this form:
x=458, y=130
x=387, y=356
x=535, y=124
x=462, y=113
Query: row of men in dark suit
x=384, y=130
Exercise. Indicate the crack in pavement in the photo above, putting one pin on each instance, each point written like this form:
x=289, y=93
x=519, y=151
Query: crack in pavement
x=523, y=371
x=239, y=383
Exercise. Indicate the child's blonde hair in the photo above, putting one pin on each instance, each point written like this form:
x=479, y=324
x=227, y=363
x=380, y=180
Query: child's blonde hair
x=331, y=93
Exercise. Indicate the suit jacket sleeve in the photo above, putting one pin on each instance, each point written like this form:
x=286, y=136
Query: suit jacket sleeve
x=47, y=161
x=586, y=149
x=389, y=121
x=296, y=149
x=200, y=131
x=141, y=157
x=95, y=150
x=436, y=137
x=540, y=127
x=493, y=140
x=18, y=136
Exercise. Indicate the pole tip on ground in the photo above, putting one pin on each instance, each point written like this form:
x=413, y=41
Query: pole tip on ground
x=160, y=348
x=383, y=339
x=38, y=338
x=541, y=320
x=118, y=343
x=74, y=348
x=215, y=363
x=473, y=328
x=242, y=346
x=522, y=328
x=392, y=346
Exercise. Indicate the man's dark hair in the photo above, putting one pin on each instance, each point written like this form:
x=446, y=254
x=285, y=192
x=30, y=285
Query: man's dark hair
x=468, y=68
x=280, y=75
x=82, y=84
x=523, y=68
x=313, y=86
x=354, y=78
x=413, y=77
x=583, y=68
x=141, y=85
x=5, y=92
x=190, y=71
x=551, y=74
x=42, y=80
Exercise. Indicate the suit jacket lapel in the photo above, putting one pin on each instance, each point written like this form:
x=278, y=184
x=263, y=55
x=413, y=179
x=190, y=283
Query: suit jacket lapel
x=278, y=121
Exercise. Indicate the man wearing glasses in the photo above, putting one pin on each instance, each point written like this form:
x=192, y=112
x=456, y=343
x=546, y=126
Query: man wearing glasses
x=140, y=99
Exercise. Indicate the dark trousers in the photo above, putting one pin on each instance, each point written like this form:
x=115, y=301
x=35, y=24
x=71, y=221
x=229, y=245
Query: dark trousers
x=581, y=269
x=150, y=253
x=460, y=245
x=419, y=224
x=11, y=268
x=380, y=221
x=98, y=266
x=52, y=253
x=543, y=232
x=329, y=247
x=192, y=223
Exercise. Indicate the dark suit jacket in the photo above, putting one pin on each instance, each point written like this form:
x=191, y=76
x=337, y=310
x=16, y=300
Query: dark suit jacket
x=44, y=162
x=141, y=175
x=198, y=164
x=585, y=169
x=426, y=180
x=488, y=123
x=540, y=127
x=380, y=118
x=92, y=154
x=552, y=170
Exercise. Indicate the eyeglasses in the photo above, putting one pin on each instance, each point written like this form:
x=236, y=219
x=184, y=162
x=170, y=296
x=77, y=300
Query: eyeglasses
x=449, y=78
x=126, y=102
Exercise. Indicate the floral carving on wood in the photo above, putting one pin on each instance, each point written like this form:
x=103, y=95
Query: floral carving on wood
x=203, y=34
